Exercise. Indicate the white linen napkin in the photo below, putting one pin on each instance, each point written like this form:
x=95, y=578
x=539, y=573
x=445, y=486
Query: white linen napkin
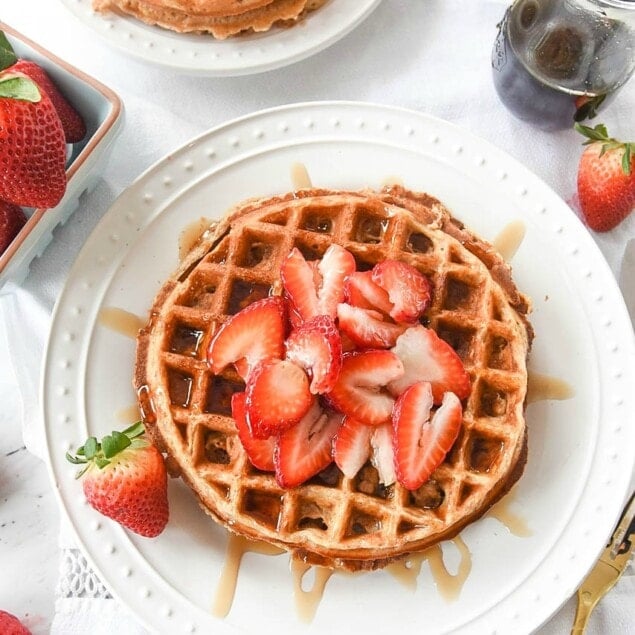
x=407, y=45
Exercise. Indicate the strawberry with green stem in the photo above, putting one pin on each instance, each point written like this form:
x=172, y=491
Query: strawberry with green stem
x=125, y=478
x=606, y=179
x=32, y=144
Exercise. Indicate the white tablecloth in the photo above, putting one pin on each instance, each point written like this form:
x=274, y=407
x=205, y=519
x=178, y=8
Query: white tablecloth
x=428, y=55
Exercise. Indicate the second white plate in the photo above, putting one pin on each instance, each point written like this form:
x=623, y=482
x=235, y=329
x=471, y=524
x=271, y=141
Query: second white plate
x=203, y=55
x=581, y=452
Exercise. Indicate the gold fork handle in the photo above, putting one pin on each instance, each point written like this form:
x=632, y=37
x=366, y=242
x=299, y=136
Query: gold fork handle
x=597, y=584
x=586, y=604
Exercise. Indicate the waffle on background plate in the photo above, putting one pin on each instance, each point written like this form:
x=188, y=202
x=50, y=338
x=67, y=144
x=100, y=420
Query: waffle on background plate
x=331, y=520
x=221, y=18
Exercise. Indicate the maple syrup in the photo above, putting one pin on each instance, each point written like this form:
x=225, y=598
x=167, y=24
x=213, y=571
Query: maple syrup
x=237, y=547
x=516, y=525
x=191, y=234
x=543, y=387
x=448, y=585
x=307, y=601
x=121, y=321
x=300, y=177
x=558, y=61
x=509, y=239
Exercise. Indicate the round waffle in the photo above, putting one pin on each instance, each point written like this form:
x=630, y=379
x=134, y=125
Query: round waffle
x=351, y=523
x=221, y=18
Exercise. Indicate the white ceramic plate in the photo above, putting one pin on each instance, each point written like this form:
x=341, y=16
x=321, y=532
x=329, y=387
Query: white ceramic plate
x=203, y=55
x=581, y=451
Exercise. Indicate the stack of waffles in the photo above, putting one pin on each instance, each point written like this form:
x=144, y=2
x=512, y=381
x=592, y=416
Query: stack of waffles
x=221, y=18
x=350, y=519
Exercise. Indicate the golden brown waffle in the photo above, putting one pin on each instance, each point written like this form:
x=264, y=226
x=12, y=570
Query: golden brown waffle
x=221, y=18
x=332, y=520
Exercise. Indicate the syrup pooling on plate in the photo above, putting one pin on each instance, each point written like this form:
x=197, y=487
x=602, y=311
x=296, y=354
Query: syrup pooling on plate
x=300, y=177
x=509, y=239
x=191, y=234
x=121, y=321
x=307, y=601
x=128, y=414
x=516, y=525
x=237, y=546
x=448, y=585
x=543, y=387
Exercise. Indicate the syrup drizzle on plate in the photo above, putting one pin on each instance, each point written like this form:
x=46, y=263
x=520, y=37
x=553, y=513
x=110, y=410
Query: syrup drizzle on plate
x=448, y=585
x=509, y=239
x=516, y=524
x=392, y=180
x=191, y=234
x=121, y=321
x=300, y=177
x=307, y=601
x=544, y=387
x=237, y=547
x=128, y=414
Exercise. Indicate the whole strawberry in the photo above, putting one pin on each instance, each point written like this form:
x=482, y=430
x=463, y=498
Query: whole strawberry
x=72, y=122
x=606, y=179
x=32, y=145
x=125, y=479
x=11, y=625
x=12, y=219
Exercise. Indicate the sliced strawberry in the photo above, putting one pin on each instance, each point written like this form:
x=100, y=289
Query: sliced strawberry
x=299, y=285
x=259, y=451
x=426, y=357
x=361, y=291
x=351, y=446
x=367, y=328
x=277, y=397
x=359, y=391
x=305, y=449
x=336, y=265
x=420, y=442
x=316, y=346
x=408, y=289
x=348, y=346
x=382, y=455
x=251, y=335
x=316, y=287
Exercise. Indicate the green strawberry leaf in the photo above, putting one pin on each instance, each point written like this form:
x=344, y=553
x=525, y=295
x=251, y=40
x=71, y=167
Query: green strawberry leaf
x=599, y=133
x=91, y=447
x=135, y=430
x=114, y=443
x=21, y=88
x=626, y=159
x=75, y=460
x=101, y=463
x=7, y=55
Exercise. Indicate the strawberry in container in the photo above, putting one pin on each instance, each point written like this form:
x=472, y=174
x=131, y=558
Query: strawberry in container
x=54, y=124
x=36, y=121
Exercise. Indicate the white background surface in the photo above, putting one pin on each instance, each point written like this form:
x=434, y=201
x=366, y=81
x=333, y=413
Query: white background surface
x=431, y=56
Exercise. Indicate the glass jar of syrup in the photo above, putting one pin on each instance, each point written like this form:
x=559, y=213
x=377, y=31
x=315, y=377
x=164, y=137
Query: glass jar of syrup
x=559, y=61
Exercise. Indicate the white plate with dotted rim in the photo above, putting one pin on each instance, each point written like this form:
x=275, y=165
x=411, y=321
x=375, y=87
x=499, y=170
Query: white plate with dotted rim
x=581, y=451
x=200, y=54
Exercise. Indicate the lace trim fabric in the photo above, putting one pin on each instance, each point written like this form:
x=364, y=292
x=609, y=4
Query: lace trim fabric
x=77, y=579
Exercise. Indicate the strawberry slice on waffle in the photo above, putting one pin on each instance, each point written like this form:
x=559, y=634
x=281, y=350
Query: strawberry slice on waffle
x=306, y=448
x=426, y=357
x=360, y=388
x=316, y=287
x=422, y=438
x=253, y=334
